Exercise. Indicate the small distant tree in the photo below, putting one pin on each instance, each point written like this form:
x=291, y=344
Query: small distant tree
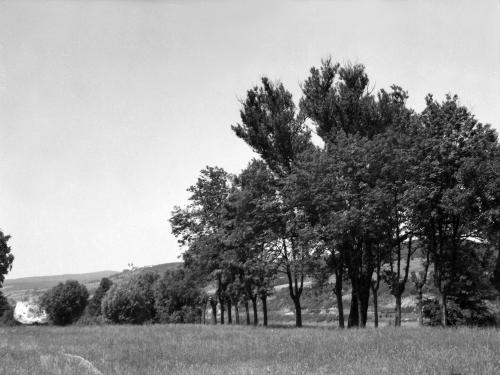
x=95, y=302
x=66, y=302
x=6, y=257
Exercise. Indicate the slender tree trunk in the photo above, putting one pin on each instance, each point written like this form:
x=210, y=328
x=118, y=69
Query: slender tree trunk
x=352, y=320
x=237, y=313
x=264, y=309
x=340, y=304
x=255, y=316
x=375, y=306
x=397, y=319
x=443, y=307
x=298, y=312
x=204, y=312
x=496, y=273
x=420, y=308
x=365, y=301
x=247, y=312
x=222, y=312
x=229, y=312
x=360, y=311
x=213, y=304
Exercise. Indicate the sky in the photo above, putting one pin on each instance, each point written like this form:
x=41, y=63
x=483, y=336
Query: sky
x=109, y=109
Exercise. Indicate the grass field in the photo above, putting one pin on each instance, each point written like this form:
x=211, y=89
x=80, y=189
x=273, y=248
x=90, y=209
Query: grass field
x=195, y=349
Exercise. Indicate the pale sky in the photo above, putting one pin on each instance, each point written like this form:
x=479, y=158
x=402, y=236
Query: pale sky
x=109, y=109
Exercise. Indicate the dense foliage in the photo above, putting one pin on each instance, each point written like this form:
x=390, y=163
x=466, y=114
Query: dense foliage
x=6, y=257
x=94, y=306
x=131, y=301
x=66, y=302
x=177, y=298
x=383, y=184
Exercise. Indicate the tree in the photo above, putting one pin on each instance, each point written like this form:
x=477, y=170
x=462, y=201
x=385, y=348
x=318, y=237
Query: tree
x=270, y=126
x=177, y=298
x=452, y=195
x=132, y=301
x=66, y=302
x=94, y=306
x=199, y=228
x=250, y=216
x=351, y=205
x=6, y=257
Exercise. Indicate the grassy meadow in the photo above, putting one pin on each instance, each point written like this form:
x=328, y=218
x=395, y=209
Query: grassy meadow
x=198, y=349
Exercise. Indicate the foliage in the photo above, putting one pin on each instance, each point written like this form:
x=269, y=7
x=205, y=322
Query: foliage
x=459, y=312
x=6, y=312
x=94, y=307
x=177, y=298
x=6, y=257
x=66, y=302
x=385, y=183
x=131, y=301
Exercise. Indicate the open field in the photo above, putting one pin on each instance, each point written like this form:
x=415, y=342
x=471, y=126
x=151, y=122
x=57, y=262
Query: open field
x=195, y=349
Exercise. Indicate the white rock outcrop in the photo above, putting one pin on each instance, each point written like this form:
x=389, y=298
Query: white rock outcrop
x=30, y=313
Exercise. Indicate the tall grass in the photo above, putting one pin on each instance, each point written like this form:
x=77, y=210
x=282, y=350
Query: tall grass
x=195, y=349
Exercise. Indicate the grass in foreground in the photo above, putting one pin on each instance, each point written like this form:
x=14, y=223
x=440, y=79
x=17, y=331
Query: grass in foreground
x=196, y=349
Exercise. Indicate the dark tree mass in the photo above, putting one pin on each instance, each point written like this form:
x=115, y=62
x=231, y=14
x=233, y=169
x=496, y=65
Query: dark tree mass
x=382, y=185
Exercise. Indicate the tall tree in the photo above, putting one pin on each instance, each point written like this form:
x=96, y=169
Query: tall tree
x=270, y=126
x=199, y=228
x=451, y=197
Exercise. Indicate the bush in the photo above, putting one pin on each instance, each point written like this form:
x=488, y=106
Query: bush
x=94, y=307
x=459, y=313
x=177, y=298
x=66, y=302
x=132, y=301
x=6, y=312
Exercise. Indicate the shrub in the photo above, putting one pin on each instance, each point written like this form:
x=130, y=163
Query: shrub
x=6, y=312
x=66, y=302
x=132, y=301
x=177, y=298
x=459, y=313
x=94, y=307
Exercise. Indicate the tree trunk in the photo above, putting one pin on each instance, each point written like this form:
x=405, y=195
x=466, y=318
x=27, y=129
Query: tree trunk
x=352, y=320
x=496, y=273
x=420, y=308
x=264, y=309
x=375, y=307
x=255, y=316
x=443, y=309
x=397, y=318
x=340, y=305
x=365, y=301
x=204, y=312
x=213, y=304
x=229, y=312
x=298, y=312
x=360, y=312
x=247, y=312
x=237, y=313
x=222, y=312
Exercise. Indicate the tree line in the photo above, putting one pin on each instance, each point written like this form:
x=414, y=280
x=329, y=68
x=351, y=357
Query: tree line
x=349, y=185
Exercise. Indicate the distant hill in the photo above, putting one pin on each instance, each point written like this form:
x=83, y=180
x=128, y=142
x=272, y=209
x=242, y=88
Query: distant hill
x=25, y=288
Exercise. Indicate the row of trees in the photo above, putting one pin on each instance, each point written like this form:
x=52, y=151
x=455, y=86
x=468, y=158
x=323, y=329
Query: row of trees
x=381, y=184
x=142, y=297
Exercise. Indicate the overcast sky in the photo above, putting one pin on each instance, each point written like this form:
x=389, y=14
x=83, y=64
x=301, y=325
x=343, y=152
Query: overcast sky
x=109, y=109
